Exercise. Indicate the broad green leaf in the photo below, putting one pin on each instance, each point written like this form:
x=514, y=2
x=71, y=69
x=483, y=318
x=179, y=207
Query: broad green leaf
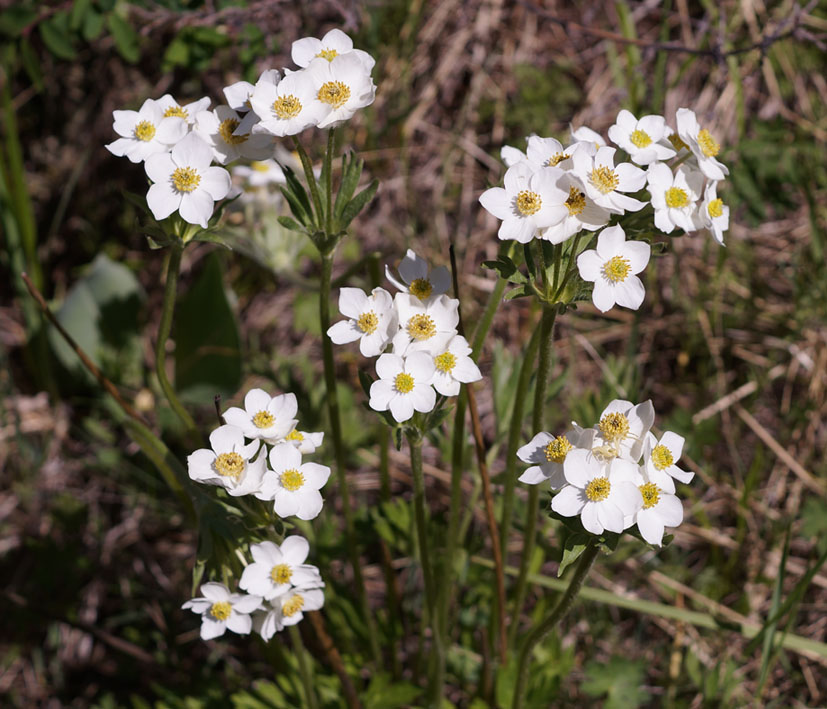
x=15, y=18
x=78, y=13
x=573, y=547
x=56, y=36
x=126, y=39
x=620, y=680
x=92, y=25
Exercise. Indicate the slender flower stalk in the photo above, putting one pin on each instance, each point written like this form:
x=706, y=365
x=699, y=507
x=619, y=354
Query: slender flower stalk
x=304, y=667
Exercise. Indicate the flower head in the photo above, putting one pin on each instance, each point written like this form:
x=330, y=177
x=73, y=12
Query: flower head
x=171, y=107
x=416, y=278
x=276, y=569
x=713, y=214
x=221, y=610
x=371, y=319
x=702, y=144
x=284, y=107
x=293, y=486
x=287, y=609
x=674, y=196
x=404, y=385
x=335, y=43
x=340, y=87
x=640, y=138
x=218, y=129
x=229, y=463
x=660, y=460
x=453, y=365
x=660, y=508
x=421, y=321
x=145, y=132
x=604, y=182
x=548, y=453
x=622, y=429
x=264, y=416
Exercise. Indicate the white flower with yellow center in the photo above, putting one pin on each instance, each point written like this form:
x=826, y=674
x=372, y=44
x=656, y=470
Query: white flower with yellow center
x=218, y=128
x=333, y=44
x=230, y=463
x=371, y=320
x=453, y=365
x=283, y=108
x=184, y=181
x=713, y=213
x=293, y=486
x=581, y=212
x=305, y=442
x=287, y=609
x=660, y=508
x=264, y=416
x=548, y=453
x=622, y=429
x=612, y=267
x=416, y=278
x=548, y=152
x=641, y=138
x=421, y=321
x=602, y=492
x=238, y=95
x=604, y=182
x=171, y=107
x=591, y=139
x=674, y=196
x=275, y=569
x=341, y=86
x=145, y=132
x=260, y=173
x=702, y=144
x=403, y=385
x=528, y=202
x=221, y=610
x=660, y=459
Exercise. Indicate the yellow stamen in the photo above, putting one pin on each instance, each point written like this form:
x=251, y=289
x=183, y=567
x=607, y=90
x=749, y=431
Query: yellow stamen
x=221, y=610
x=651, y=495
x=421, y=327
x=677, y=143
x=226, y=131
x=229, y=465
x=293, y=606
x=598, y=489
x=259, y=166
x=662, y=457
x=403, y=383
x=368, y=322
x=528, y=203
x=335, y=93
x=676, y=198
x=421, y=288
x=294, y=435
x=616, y=269
x=709, y=146
x=287, y=107
x=263, y=419
x=557, y=158
x=557, y=450
x=291, y=479
x=144, y=131
x=177, y=112
x=640, y=138
x=614, y=427
x=576, y=201
x=445, y=362
x=281, y=573
x=185, y=179
x=329, y=54
x=605, y=179
x=715, y=208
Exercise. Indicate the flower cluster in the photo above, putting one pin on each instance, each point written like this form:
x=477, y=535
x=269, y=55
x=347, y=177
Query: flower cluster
x=241, y=467
x=279, y=585
x=615, y=474
x=553, y=192
x=419, y=327
x=178, y=142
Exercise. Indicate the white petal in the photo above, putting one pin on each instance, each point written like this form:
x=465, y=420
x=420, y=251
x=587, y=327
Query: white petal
x=590, y=520
x=162, y=200
x=216, y=182
x=590, y=265
x=295, y=548
x=568, y=502
x=401, y=408
x=197, y=207
x=630, y=293
x=650, y=526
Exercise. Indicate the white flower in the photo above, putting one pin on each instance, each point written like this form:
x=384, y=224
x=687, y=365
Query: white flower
x=603, y=182
x=171, y=107
x=422, y=320
x=548, y=453
x=261, y=173
x=276, y=568
x=452, y=363
x=588, y=137
x=621, y=431
x=264, y=416
x=145, y=132
x=218, y=129
x=229, y=464
x=333, y=44
x=238, y=96
x=511, y=155
x=286, y=107
x=674, y=196
x=612, y=268
x=713, y=213
x=660, y=457
x=403, y=385
x=418, y=279
x=341, y=87
x=548, y=152
x=185, y=181
x=221, y=610
x=305, y=442
x=703, y=146
x=660, y=508
x=581, y=212
x=287, y=609
x=640, y=138
x=602, y=492
x=529, y=201
x=293, y=486
x=372, y=320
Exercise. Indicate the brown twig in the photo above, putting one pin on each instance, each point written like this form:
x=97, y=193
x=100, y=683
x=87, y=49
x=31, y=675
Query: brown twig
x=335, y=659
x=88, y=363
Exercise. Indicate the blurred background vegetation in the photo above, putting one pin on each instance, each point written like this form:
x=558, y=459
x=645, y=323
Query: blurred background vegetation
x=731, y=345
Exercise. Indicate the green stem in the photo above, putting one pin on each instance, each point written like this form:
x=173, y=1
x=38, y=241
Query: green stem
x=328, y=179
x=547, y=625
x=170, y=291
x=532, y=509
x=339, y=450
x=304, y=668
x=311, y=181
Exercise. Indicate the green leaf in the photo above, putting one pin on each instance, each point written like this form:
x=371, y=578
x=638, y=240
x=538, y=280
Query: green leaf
x=507, y=269
x=573, y=547
x=15, y=19
x=291, y=224
x=296, y=194
x=92, y=25
x=357, y=204
x=126, y=39
x=207, y=343
x=31, y=63
x=351, y=174
x=78, y=13
x=55, y=35
x=621, y=680
x=519, y=292
x=387, y=693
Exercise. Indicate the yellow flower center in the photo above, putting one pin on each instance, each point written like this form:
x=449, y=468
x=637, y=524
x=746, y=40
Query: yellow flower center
x=557, y=158
x=421, y=327
x=263, y=419
x=294, y=435
x=291, y=479
x=229, y=465
x=598, y=489
x=335, y=93
x=709, y=146
x=662, y=457
x=445, y=362
x=616, y=269
x=185, y=179
x=651, y=495
x=715, y=208
x=259, y=166
x=145, y=131
x=368, y=322
x=677, y=142
x=614, y=427
x=221, y=610
x=226, y=131
x=293, y=606
x=287, y=107
x=281, y=573
x=329, y=54
x=421, y=288
x=576, y=201
x=403, y=383
x=604, y=178
x=557, y=450
x=528, y=203
x=640, y=138
x=676, y=198
x=177, y=112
